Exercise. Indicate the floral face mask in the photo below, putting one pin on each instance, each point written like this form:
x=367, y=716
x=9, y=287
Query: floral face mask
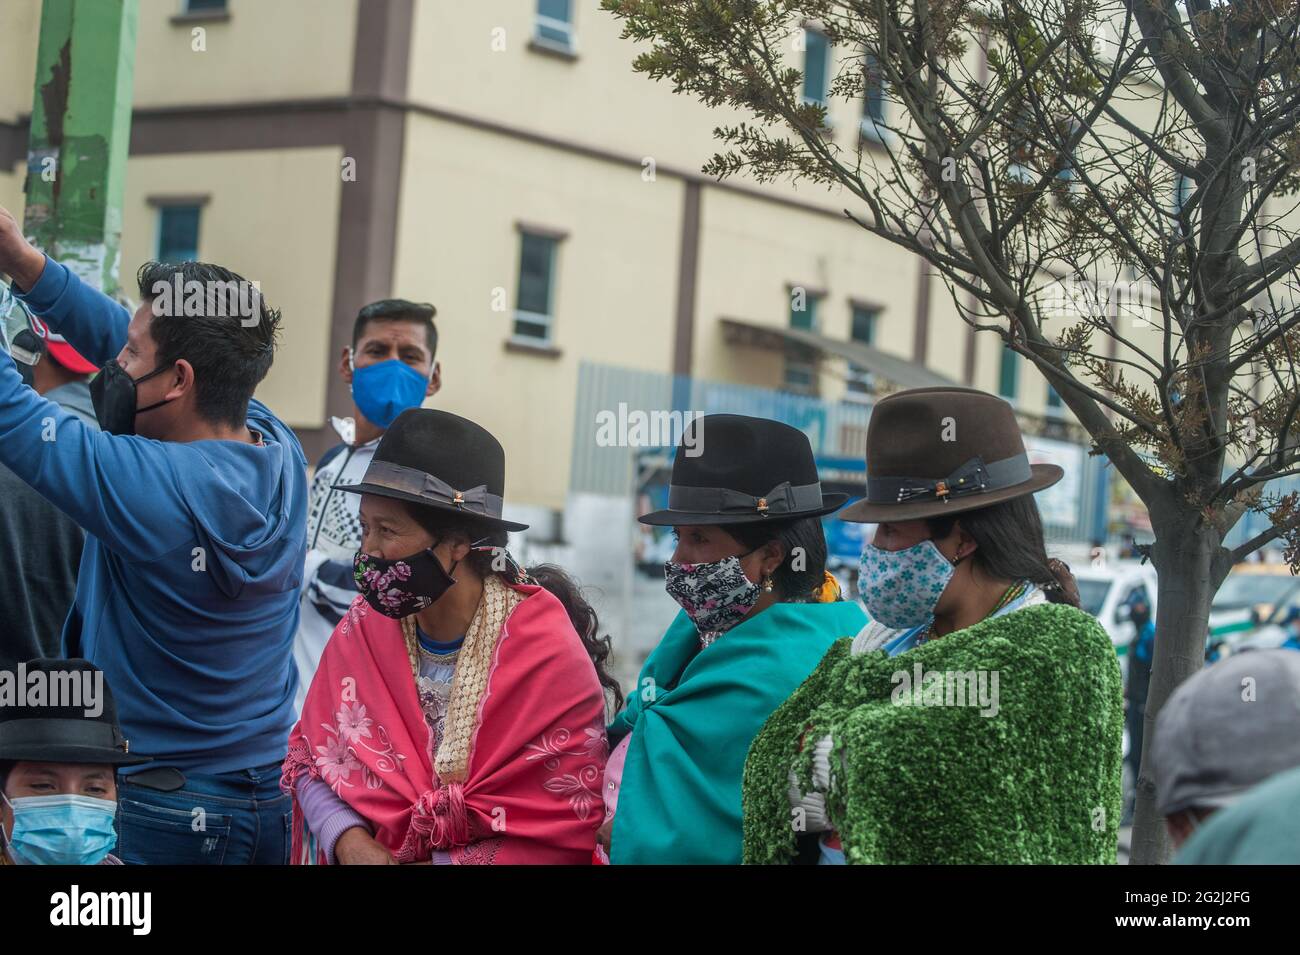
x=901, y=588
x=399, y=588
x=716, y=596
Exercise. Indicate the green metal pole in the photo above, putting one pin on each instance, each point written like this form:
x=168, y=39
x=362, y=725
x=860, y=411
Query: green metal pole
x=80, y=133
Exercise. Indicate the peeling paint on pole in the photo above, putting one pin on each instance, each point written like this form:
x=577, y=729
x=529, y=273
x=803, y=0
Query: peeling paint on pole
x=80, y=133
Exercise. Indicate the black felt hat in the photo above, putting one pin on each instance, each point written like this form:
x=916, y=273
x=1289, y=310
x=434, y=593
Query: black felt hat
x=441, y=461
x=744, y=470
x=45, y=716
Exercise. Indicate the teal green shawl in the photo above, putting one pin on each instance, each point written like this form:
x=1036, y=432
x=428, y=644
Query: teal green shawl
x=694, y=715
x=1039, y=782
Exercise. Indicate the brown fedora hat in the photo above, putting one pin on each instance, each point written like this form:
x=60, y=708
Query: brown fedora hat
x=939, y=451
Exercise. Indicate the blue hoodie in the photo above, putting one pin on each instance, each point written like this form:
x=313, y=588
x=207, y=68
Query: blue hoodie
x=187, y=595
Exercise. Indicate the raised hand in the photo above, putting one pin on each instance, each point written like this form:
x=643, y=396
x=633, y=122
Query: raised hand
x=18, y=257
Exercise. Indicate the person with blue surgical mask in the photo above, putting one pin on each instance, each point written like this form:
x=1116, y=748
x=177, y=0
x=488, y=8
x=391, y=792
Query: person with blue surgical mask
x=390, y=367
x=60, y=747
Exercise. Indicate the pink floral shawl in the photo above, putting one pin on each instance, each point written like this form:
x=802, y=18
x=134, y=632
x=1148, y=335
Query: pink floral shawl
x=536, y=759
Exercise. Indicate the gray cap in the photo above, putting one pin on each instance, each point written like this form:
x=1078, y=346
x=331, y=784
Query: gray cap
x=1228, y=727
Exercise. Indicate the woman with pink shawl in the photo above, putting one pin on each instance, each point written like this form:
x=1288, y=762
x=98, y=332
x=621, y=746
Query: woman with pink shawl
x=458, y=712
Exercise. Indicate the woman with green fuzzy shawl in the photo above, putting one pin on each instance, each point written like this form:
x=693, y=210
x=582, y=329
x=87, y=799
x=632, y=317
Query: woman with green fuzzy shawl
x=758, y=612
x=978, y=717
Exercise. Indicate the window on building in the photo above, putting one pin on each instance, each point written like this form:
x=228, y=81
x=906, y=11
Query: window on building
x=1021, y=147
x=816, y=67
x=178, y=233
x=1008, y=371
x=203, y=6
x=1182, y=193
x=533, y=301
x=863, y=330
x=1053, y=400
x=555, y=24
x=800, y=372
x=1067, y=163
x=873, y=103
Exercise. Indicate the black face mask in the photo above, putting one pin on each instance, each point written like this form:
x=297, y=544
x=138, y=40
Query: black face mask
x=399, y=588
x=113, y=392
x=28, y=350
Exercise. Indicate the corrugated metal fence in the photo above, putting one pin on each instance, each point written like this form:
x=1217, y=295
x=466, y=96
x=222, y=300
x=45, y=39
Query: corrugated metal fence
x=835, y=430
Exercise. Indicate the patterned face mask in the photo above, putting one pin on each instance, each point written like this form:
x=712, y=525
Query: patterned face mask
x=399, y=588
x=715, y=596
x=901, y=588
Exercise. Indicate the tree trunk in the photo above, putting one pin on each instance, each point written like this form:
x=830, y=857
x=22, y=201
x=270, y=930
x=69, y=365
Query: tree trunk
x=1183, y=556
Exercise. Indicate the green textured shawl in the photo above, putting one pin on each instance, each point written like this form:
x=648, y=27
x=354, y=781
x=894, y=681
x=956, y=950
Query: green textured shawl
x=693, y=715
x=1039, y=782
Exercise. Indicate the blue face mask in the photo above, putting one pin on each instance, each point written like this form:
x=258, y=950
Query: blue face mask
x=63, y=829
x=384, y=390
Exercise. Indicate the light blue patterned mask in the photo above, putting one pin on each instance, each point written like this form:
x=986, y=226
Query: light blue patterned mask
x=61, y=829
x=900, y=588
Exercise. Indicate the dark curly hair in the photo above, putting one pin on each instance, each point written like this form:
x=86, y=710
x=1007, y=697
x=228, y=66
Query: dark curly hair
x=230, y=341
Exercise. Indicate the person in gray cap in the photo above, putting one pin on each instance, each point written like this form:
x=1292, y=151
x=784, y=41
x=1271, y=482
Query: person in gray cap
x=1262, y=828
x=1225, y=730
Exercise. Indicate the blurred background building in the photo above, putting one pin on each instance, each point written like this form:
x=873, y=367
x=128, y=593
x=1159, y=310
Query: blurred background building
x=503, y=161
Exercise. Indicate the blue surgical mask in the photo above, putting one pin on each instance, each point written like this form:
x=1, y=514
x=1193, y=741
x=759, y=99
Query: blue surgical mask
x=63, y=829
x=901, y=588
x=384, y=390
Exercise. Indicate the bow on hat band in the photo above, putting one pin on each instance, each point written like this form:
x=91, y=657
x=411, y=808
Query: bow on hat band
x=782, y=499
x=971, y=478
x=396, y=477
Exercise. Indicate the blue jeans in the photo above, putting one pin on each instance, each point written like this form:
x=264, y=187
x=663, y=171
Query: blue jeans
x=238, y=818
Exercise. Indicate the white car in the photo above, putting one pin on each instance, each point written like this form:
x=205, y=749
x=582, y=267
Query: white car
x=1107, y=591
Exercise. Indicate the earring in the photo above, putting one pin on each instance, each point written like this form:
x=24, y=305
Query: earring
x=767, y=584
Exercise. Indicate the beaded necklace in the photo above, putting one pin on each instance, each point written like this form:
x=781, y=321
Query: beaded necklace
x=1010, y=594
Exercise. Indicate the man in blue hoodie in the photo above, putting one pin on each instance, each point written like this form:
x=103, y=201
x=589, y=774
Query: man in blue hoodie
x=193, y=500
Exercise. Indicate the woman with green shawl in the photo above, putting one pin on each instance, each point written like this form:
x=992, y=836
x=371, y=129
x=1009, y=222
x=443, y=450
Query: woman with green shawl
x=758, y=612
x=978, y=717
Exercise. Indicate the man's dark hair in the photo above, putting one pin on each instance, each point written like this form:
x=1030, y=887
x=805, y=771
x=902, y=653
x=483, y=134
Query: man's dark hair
x=230, y=342
x=398, y=310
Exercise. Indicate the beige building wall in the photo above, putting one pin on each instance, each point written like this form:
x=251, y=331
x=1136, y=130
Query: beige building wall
x=464, y=193
x=752, y=253
x=20, y=22
x=272, y=217
x=20, y=27
x=11, y=191
x=475, y=60
x=281, y=49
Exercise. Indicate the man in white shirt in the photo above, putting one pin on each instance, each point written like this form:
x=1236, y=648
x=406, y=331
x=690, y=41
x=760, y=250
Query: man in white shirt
x=390, y=367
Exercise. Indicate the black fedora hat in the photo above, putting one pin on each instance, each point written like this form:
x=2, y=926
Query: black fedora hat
x=40, y=722
x=441, y=461
x=748, y=470
x=939, y=451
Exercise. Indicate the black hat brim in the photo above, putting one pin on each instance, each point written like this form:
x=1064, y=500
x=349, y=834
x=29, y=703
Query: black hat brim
x=1042, y=477
x=670, y=518
x=380, y=491
x=68, y=753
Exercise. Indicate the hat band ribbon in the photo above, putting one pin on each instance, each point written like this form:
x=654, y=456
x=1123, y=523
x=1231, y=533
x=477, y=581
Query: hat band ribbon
x=396, y=477
x=973, y=477
x=56, y=731
x=782, y=499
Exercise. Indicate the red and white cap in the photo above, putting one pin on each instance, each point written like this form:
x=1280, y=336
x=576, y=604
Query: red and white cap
x=58, y=348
